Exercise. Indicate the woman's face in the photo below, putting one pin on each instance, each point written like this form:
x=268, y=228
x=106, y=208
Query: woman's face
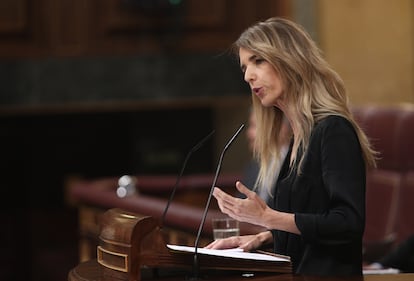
x=263, y=79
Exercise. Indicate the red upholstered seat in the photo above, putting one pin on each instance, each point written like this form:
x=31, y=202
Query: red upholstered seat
x=405, y=217
x=381, y=124
x=382, y=198
x=405, y=138
x=390, y=187
x=360, y=113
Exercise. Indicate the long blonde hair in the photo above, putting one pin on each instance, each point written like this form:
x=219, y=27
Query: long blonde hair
x=312, y=89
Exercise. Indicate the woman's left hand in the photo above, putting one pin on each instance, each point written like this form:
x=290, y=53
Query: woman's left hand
x=250, y=209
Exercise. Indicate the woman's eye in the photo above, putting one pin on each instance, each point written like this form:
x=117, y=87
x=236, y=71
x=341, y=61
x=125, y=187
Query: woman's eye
x=259, y=61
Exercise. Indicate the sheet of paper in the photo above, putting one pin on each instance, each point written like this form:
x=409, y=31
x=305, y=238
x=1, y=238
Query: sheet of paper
x=231, y=253
x=381, y=271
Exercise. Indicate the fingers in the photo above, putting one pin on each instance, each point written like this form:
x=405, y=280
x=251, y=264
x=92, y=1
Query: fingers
x=225, y=201
x=246, y=242
x=226, y=243
x=212, y=245
x=243, y=189
x=248, y=246
x=239, y=209
x=250, y=194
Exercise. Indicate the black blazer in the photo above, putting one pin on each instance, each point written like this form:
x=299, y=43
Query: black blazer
x=328, y=200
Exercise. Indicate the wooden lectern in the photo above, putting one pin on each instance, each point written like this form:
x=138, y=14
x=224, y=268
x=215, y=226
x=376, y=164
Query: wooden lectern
x=129, y=242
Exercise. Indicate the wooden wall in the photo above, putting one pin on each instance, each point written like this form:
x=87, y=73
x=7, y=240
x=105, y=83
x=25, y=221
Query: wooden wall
x=371, y=44
x=76, y=27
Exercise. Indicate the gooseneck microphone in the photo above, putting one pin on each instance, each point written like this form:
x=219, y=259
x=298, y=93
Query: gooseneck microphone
x=195, y=262
x=195, y=148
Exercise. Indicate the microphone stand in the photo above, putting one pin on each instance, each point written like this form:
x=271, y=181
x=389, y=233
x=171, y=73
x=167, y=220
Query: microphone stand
x=195, y=148
x=179, y=176
x=195, y=261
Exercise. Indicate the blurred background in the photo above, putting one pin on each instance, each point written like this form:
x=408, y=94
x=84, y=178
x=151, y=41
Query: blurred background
x=98, y=88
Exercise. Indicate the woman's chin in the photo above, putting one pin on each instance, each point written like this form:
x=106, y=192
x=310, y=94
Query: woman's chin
x=266, y=103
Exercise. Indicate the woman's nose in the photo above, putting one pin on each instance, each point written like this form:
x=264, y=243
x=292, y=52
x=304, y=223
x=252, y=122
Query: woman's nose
x=248, y=75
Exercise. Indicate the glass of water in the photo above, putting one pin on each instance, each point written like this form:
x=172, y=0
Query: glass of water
x=225, y=227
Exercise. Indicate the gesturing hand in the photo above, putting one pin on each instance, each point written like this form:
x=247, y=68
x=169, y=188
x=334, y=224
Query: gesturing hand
x=250, y=209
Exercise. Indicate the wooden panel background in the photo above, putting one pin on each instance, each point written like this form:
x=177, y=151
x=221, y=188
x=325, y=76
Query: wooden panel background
x=30, y=28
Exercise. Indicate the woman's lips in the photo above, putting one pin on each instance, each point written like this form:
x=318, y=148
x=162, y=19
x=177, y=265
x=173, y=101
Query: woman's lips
x=258, y=91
